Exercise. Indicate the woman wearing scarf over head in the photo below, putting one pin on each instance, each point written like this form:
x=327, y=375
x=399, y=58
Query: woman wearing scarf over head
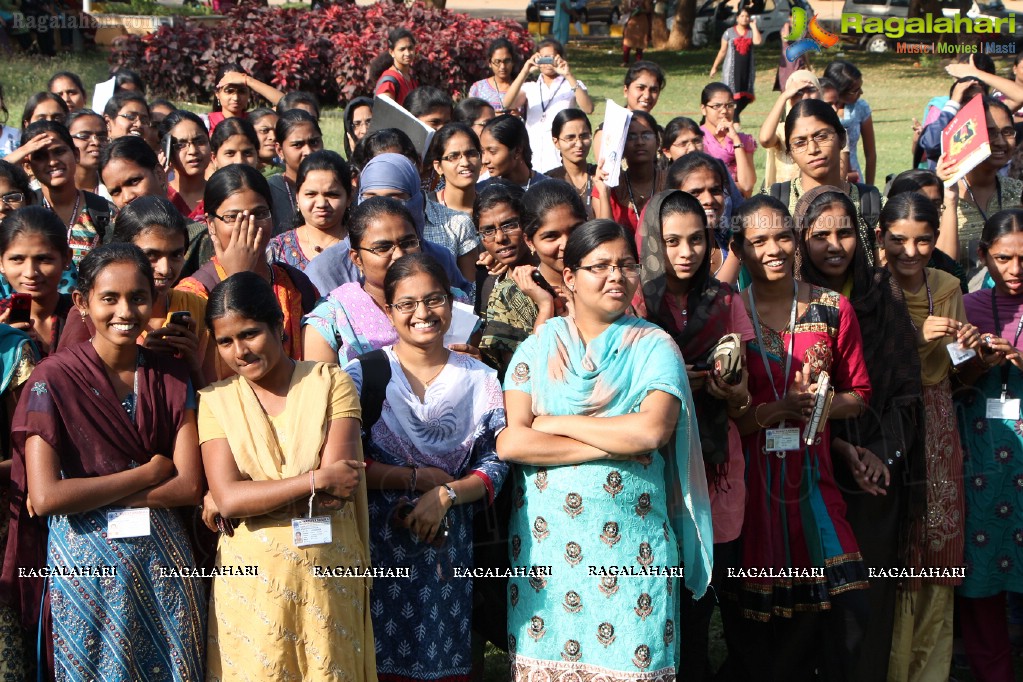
x=386, y=175
x=680, y=294
x=883, y=447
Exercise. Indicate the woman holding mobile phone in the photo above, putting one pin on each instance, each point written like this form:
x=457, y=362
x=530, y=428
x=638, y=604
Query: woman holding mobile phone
x=175, y=324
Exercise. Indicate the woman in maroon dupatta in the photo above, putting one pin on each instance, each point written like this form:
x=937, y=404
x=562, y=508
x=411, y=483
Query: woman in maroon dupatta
x=104, y=426
x=682, y=296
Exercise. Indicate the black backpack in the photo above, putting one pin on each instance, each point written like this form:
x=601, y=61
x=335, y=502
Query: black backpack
x=870, y=200
x=376, y=374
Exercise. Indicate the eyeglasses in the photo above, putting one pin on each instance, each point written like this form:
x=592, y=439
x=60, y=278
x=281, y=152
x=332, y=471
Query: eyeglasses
x=359, y=125
x=850, y=93
x=259, y=215
x=605, y=269
x=479, y=124
x=134, y=116
x=1007, y=134
x=454, y=157
x=691, y=143
x=641, y=137
x=501, y=62
x=822, y=138
x=408, y=306
x=234, y=90
x=180, y=144
x=85, y=136
x=583, y=138
x=388, y=248
x=509, y=228
x=12, y=198
x=727, y=106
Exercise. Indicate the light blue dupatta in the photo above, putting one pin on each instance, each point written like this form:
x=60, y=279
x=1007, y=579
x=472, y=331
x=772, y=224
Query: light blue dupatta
x=611, y=376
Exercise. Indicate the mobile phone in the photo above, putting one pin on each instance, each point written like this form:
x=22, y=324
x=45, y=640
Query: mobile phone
x=181, y=317
x=21, y=308
x=168, y=145
x=541, y=282
x=545, y=60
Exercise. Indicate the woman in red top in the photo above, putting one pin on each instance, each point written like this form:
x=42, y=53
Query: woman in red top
x=397, y=81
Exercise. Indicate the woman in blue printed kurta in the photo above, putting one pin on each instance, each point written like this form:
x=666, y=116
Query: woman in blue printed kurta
x=611, y=527
x=430, y=455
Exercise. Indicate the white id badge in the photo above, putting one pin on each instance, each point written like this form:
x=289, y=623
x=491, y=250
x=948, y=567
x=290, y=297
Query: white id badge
x=959, y=354
x=782, y=440
x=1003, y=409
x=314, y=531
x=132, y=522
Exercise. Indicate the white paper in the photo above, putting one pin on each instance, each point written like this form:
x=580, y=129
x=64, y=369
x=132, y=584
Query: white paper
x=127, y=523
x=101, y=94
x=616, y=127
x=389, y=114
x=463, y=324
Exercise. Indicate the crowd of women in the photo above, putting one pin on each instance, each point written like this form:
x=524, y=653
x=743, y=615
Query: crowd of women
x=250, y=434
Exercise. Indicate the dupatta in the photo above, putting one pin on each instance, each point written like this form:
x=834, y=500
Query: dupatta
x=708, y=308
x=254, y=443
x=69, y=402
x=611, y=376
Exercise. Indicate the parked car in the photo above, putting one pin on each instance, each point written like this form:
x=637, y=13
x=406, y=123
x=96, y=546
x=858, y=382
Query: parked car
x=900, y=8
x=607, y=11
x=713, y=17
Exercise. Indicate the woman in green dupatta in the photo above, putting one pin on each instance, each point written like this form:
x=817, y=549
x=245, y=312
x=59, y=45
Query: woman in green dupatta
x=601, y=419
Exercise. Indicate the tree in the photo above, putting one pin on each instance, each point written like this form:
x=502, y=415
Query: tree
x=681, y=37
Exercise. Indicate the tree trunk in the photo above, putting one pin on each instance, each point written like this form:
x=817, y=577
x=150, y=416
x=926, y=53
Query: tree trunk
x=659, y=27
x=681, y=37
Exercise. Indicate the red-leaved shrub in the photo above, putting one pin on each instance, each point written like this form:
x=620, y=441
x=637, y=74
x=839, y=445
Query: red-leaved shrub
x=324, y=51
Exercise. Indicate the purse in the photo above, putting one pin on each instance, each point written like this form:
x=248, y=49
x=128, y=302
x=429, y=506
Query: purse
x=726, y=359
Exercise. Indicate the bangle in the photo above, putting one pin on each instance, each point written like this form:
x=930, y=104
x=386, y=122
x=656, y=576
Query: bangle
x=756, y=416
x=742, y=410
x=312, y=482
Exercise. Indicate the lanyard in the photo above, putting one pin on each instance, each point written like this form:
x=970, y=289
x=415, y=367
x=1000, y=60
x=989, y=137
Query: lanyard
x=1015, y=343
x=980, y=210
x=74, y=212
x=930, y=301
x=544, y=107
x=792, y=341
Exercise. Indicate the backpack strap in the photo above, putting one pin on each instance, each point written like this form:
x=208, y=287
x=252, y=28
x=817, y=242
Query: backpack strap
x=99, y=211
x=870, y=204
x=781, y=191
x=376, y=374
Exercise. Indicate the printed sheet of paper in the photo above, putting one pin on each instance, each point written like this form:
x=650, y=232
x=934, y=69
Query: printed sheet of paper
x=616, y=127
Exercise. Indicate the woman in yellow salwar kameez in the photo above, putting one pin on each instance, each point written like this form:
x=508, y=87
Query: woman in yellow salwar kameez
x=264, y=457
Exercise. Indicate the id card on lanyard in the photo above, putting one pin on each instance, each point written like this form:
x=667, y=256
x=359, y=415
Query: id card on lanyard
x=782, y=439
x=312, y=530
x=1004, y=407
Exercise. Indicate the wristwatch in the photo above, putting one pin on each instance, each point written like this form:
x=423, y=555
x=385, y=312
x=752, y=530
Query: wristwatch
x=451, y=494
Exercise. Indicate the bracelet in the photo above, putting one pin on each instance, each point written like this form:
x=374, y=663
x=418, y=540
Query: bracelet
x=312, y=482
x=413, y=480
x=756, y=416
x=859, y=399
x=742, y=410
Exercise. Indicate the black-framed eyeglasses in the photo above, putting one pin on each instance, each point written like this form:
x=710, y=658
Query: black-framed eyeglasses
x=691, y=143
x=180, y=144
x=822, y=138
x=133, y=116
x=12, y=198
x=454, y=157
x=388, y=248
x=84, y=136
x=605, y=269
x=502, y=62
x=259, y=215
x=508, y=228
x=727, y=106
x=408, y=306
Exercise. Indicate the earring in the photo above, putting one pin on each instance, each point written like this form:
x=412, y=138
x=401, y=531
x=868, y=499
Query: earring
x=571, y=288
x=84, y=315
